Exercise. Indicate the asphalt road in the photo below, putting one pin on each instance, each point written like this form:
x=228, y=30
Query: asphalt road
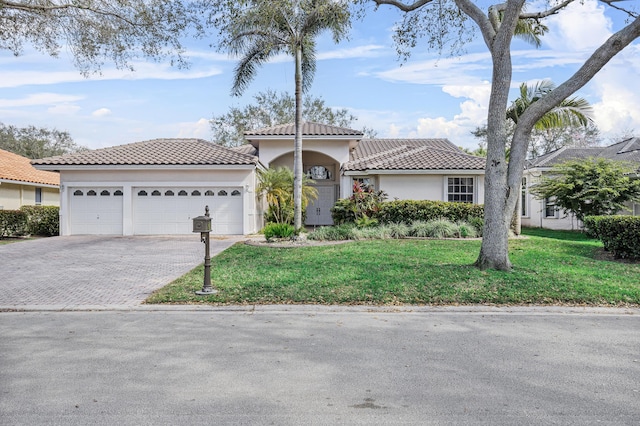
x=320, y=366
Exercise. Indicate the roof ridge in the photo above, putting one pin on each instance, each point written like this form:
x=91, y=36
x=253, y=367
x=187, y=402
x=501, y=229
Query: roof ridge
x=631, y=142
x=382, y=153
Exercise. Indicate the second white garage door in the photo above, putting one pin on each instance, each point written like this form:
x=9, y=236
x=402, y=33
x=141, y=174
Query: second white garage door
x=171, y=210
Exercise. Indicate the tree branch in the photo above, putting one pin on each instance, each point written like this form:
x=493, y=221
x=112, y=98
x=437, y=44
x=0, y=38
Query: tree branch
x=546, y=13
x=35, y=8
x=403, y=6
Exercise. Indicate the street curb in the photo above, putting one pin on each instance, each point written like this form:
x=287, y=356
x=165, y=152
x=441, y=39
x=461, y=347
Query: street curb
x=336, y=309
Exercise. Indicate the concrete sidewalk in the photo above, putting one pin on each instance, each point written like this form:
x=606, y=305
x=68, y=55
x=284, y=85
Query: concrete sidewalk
x=100, y=272
x=320, y=366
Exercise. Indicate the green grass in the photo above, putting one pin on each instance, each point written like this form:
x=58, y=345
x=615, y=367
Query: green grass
x=4, y=241
x=550, y=267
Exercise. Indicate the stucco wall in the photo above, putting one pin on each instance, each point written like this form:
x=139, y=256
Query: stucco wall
x=129, y=179
x=424, y=187
x=336, y=149
x=13, y=196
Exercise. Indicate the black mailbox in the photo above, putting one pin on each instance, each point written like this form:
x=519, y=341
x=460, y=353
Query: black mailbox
x=202, y=224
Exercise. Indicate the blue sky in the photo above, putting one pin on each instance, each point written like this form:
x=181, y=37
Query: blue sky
x=427, y=96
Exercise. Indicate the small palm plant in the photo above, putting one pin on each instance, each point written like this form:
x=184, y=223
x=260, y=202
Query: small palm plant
x=276, y=184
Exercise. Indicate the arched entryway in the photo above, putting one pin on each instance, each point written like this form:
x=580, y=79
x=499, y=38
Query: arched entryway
x=325, y=172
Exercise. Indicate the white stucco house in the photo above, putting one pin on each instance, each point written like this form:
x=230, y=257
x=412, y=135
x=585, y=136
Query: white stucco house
x=158, y=186
x=540, y=213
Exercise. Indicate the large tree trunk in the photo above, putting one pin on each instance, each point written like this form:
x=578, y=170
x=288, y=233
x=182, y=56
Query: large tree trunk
x=297, y=146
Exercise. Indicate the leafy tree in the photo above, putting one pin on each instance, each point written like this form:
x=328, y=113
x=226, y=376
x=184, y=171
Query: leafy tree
x=277, y=186
x=33, y=142
x=441, y=21
x=258, y=30
x=93, y=30
x=590, y=187
x=270, y=109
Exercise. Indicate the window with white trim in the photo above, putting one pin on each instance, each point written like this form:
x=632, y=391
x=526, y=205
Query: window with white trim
x=365, y=182
x=460, y=189
x=550, y=209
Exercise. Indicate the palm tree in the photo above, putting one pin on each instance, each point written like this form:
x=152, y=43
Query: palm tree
x=571, y=112
x=264, y=29
x=574, y=111
x=277, y=185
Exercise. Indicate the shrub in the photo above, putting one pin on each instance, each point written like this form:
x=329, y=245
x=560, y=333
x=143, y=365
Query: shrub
x=420, y=228
x=477, y=223
x=591, y=224
x=398, y=230
x=442, y=228
x=42, y=220
x=12, y=223
x=466, y=230
x=619, y=234
x=334, y=233
x=278, y=230
x=365, y=202
x=408, y=211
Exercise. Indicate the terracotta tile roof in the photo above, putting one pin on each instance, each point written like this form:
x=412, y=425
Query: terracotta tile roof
x=155, y=152
x=308, y=129
x=411, y=154
x=627, y=150
x=18, y=168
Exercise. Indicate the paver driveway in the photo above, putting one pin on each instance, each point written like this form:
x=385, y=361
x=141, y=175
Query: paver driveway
x=95, y=271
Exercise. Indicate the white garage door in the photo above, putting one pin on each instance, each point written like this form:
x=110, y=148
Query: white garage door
x=95, y=210
x=171, y=210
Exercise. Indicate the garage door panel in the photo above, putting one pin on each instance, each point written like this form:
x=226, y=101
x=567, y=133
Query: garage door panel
x=173, y=210
x=95, y=210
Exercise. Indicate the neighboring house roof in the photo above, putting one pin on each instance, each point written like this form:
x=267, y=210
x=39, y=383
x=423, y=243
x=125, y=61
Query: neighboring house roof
x=627, y=150
x=308, y=129
x=154, y=152
x=411, y=154
x=14, y=167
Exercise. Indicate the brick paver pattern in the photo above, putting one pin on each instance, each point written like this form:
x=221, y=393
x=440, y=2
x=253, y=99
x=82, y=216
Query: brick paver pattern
x=96, y=270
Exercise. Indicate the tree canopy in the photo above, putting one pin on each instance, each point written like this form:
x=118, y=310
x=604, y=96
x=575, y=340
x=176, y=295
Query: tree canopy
x=447, y=23
x=590, y=187
x=270, y=108
x=96, y=30
x=35, y=142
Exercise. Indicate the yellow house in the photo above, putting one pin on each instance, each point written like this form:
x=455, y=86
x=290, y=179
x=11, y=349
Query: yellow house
x=23, y=185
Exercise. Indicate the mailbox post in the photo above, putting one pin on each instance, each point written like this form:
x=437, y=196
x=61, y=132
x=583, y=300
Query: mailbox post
x=202, y=224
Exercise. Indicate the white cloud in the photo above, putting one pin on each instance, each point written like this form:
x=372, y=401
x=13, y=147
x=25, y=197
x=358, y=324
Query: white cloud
x=581, y=26
x=366, y=51
x=64, y=109
x=200, y=129
x=101, y=112
x=39, y=99
x=144, y=70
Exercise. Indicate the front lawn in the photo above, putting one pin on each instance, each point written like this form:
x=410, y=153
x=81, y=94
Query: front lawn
x=550, y=267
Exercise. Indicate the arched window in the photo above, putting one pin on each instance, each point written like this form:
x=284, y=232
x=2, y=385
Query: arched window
x=235, y=193
x=117, y=192
x=196, y=193
x=182, y=193
x=319, y=173
x=105, y=192
x=169, y=193
x=142, y=193
x=156, y=193
x=91, y=193
x=77, y=192
x=222, y=193
x=209, y=193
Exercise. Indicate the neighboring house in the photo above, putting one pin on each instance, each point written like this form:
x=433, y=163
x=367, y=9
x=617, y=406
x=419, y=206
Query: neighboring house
x=158, y=186
x=543, y=213
x=23, y=185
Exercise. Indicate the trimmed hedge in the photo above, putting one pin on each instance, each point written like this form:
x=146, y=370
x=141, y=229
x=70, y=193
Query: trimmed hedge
x=619, y=234
x=13, y=223
x=409, y=211
x=42, y=220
